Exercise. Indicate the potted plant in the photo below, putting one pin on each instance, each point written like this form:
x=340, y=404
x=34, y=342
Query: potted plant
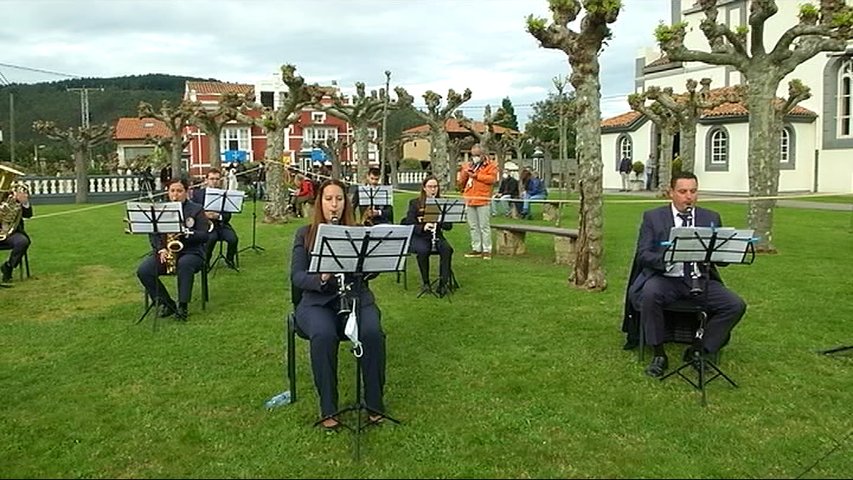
x=637, y=182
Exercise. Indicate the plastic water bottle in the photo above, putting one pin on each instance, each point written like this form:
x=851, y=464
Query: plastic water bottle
x=282, y=398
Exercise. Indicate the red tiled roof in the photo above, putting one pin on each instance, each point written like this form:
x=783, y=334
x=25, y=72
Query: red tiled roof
x=132, y=128
x=663, y=60
x=622, y=120
x=207, y=88
x=452, y=126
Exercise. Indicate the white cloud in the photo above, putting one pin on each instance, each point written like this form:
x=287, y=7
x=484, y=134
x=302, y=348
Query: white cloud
x=427, y=44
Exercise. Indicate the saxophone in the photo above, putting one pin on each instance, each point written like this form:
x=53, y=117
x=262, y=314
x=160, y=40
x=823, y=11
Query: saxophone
x=173, y=246
x=11, y=211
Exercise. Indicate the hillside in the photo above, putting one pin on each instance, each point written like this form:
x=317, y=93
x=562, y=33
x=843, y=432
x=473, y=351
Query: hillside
x=52, y=101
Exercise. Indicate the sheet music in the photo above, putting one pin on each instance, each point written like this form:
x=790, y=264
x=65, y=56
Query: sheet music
x=337, y=248
x=382, y=195
x=142, y=216
x=453, y=209
x=219, y=200
x=691, y=244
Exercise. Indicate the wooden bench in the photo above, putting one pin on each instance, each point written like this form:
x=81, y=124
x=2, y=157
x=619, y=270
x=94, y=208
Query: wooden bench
x=510, y=240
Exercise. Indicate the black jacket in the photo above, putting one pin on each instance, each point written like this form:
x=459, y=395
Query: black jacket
x=414, y=216
x=195, y=220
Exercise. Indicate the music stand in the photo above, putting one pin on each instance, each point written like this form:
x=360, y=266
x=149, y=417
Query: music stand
x=372, y=196
x=704, y=246
x=222, y=201
x=154, y=219
x=356, y=253
x=438, y=211
x=254, y=246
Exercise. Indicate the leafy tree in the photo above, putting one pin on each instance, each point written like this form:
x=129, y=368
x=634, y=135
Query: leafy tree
x=820, y=29
x=508, y=118
x=80, y=140
x=582, y=49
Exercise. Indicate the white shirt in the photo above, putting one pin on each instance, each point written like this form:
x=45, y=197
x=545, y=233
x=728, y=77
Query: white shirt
x=676, y=269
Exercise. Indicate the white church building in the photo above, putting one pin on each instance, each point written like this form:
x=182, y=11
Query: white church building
x=817, y=140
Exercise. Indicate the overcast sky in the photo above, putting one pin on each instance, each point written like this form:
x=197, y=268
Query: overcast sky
x=426, y=44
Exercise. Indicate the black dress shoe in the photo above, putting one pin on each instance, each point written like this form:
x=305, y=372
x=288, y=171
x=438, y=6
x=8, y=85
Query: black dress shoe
x=181, y=313
x=7, y=272
x=658, y=365
x=167, y=309
x=425, y=289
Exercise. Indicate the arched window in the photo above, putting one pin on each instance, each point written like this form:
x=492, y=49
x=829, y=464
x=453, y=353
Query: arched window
x=845, y=98
x=787, y=155
x=624, y=148
x=717, y=149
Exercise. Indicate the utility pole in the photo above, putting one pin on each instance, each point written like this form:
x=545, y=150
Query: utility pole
x=84, y=112
x=384, y=158
x=560, y=85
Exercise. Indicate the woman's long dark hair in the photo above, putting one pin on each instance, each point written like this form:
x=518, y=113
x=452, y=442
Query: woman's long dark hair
x=318, y=217
x=422, y=196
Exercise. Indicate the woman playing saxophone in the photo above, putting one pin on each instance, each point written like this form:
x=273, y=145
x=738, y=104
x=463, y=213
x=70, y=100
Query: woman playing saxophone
x=428, y=238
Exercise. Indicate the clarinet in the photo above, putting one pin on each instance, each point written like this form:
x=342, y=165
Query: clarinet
x=695, y=274
x=344, y=307
x=435, y=238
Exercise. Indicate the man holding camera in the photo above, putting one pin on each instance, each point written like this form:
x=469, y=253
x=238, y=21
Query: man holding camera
x=476, y=178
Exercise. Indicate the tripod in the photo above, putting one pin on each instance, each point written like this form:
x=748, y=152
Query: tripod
x=254, y=246
x=831, y=351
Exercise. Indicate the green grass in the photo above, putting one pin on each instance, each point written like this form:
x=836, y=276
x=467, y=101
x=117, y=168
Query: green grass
x=518, y=375
x=846, y=199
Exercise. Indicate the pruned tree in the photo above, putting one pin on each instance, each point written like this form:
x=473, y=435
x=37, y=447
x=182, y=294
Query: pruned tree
x=583, y=48
x=436, y=117
x=486, y=138
x=80, y=140
x=395, y=151
x=363, y=112
x=686, y=109
x=826, y=28
x=334, y=148
x=667, y=126
x=211, y=121
x=176, y=118
x=456, y=146
x=275, y=124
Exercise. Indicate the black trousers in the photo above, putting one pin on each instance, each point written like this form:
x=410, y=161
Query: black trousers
x=422, y=248
x=325, y=330
x=150, y=269
x=18, y=243
x=227, y=234
x=724, y=308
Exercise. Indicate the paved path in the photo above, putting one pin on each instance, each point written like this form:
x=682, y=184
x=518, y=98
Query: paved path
x=844, y=207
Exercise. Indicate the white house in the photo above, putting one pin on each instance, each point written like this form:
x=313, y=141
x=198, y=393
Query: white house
x=817, y=140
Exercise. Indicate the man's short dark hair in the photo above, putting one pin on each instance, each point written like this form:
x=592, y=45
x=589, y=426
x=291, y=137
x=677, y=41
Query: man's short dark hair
x=679, y=175
x=214, y=170
x=374, y=171
x=182, y=181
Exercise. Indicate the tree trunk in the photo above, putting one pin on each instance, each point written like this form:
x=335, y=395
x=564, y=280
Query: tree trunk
x=81, y=173
x=441, y=167
x=177, y=152
x=765, y=130
x=394, y=159
x=275, y=208
x=688, y=147
x=362, y=142
x=664, y=172
x=588, y=269
x=547, y=168
x=214, y=158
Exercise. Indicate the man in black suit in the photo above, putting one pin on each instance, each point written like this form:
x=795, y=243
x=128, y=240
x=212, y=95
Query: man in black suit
x=18, y=241
x=376, y=215
x=189, y=260
x=222, y=229
x=658, y=283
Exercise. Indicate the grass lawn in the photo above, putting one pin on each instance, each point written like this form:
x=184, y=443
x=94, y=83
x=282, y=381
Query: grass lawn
x=517, y=375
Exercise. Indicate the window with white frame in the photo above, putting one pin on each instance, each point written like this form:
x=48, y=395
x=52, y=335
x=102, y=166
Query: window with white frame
x=624, y=148
x=234, y=139
x=785, y=150
x=845, y=98
x=372, y=134
x=317, y=136
x=719, y=147
x=788, y=150
x=318, y=117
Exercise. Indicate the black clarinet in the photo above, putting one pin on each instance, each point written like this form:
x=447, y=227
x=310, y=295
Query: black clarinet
x=344, y=304
x=695, y=274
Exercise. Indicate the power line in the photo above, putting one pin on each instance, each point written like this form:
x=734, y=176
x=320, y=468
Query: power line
x=39, y=70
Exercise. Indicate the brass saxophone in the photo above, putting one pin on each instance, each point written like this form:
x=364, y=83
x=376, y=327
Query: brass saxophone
x=173, y=246
x=367, y=216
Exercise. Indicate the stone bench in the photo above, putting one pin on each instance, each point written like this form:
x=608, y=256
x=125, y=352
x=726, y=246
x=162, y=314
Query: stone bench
x=511, y=237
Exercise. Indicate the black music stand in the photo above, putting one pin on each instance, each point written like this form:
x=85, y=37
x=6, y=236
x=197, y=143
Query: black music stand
x=358, y=253
x=703, y=246
x=438, y=211
x=372, y=196
x=154, y=219
x=257, y=248
x=222, y=201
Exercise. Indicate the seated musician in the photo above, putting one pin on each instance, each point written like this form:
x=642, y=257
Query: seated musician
x=378, y=214
x=304, y=194
x=429, y=238
x=317, y=313
x=13, y=237
x=222, y=229
x=187, y=261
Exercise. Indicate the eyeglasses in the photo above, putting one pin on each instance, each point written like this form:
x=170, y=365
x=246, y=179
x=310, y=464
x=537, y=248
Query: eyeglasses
x=430, y=186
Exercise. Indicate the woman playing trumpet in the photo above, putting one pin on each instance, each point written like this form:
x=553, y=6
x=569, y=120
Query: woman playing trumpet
x=428, y=238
